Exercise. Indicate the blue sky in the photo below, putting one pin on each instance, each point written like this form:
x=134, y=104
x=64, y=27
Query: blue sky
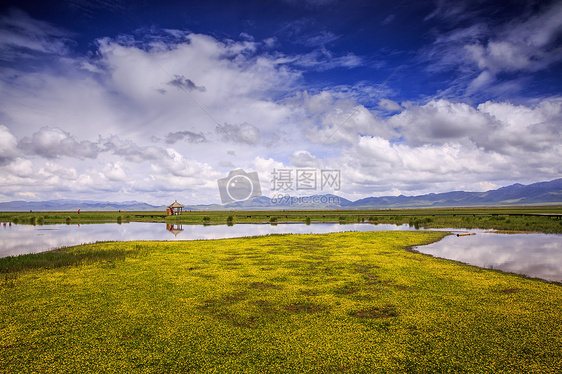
x=155, y=101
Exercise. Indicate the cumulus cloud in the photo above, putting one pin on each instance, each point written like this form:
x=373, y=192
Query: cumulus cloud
x=130, y=151
x=54, y=143
x=8, y=146
x=114, y=171
x=124, y=95
x=446, y=145
x=187, y=136
x=439, y=122
x=184, y=83
x=53, y=173
x=524, y=129
x=19, y=168
x=388, y=166
x=236, y=82
x=494, y=126
x=389, y=105
x=119, y=92
x=331, y=119
x=177, y=165
x=303, y=158
x=511, y=56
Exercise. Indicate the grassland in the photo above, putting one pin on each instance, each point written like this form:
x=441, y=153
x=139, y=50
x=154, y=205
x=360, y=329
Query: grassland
x=344, y=302
x=536, y=219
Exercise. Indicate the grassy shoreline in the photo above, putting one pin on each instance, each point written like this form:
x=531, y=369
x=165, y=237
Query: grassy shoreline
x=523, y=219
x=343, y=302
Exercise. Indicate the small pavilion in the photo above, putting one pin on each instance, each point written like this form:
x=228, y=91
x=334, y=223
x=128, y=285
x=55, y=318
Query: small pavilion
x=174, y=209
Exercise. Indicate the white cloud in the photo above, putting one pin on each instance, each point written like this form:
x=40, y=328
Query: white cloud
x=130, y=151
x=8, y=145
x=73, y=101
x=304, y=159
x=244, y=133
x=23, y=35
x=53, y=174
x=380, y=167
x=54, y=142
x=236, y=83
x=451, y=146
x=19, y=168
x=176, y=165
x=331, y=118
x=322, y=59
x=482, y=51
x=485, y=79
x=187, y=136
x=390, y=106
x=532, y=129
x=539, y=30
x=439, y=122
x=114, y=171
x=498, y=127
x=507, y=56
x=143, y=120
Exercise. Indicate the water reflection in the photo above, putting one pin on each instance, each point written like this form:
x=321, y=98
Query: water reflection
x=174, y=228
x=535, y=255
x=22, y=239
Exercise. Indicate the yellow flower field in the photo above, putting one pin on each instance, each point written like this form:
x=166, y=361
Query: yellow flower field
x=344, y=302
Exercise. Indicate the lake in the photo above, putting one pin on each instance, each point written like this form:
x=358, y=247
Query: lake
x=22, y=239
x=535, y=255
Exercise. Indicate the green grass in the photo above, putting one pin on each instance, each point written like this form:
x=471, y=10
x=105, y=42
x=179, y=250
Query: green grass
x=64, y=257
x=345, y=302
x=66, y=217
x=509, y=219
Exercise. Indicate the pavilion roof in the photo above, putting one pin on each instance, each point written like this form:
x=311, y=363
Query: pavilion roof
x=175, y=204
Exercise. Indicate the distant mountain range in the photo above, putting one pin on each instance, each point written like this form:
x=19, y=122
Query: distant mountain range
x=514, y=195
x=72, y=205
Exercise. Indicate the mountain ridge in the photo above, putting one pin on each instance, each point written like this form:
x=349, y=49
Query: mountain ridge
x=549, y=192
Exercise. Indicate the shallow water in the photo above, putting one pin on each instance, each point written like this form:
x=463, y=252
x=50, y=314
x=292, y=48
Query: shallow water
x=535, y=255
x=23, y=239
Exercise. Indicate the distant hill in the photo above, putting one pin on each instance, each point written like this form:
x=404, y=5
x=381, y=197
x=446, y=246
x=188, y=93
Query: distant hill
x=327, y=201
x=514, y=195
x=71, y=205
